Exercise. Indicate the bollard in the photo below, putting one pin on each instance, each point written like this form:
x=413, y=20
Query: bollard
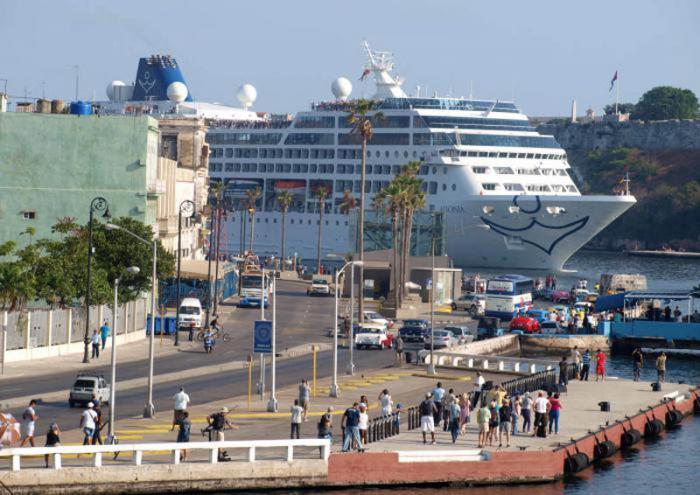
x=485, y=364
x=501, y=366
x=516, y=367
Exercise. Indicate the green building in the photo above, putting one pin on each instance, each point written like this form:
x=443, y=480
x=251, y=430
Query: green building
x=53, y=165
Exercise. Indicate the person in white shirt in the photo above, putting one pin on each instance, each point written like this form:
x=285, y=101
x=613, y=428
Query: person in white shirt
x=363, y=425
x=181, y=401
x=297, y=412
x=29, y=418
x=96, y=341
x=541, y=404
x=478, y=387
x=385, y=402
x=87, y=423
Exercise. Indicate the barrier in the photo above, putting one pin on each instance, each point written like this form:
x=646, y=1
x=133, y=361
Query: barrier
x=137, y=450
x=488, y=362
x=538, y=381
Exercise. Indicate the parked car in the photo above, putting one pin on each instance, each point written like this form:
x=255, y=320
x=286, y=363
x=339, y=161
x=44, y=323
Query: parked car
x=526, y=324
x=564, y=313
x=561, y=297
x=374, y=317
x=540, y=315
x=190, y=313
x=488, y=327
x=550, y=327
x=413, y=333
x=373, y=335
x=87, y=385
x=443, y=339
x=583, y=307
x=416, y=323
x=475, y=304
x=461, y=334
x=319, y=287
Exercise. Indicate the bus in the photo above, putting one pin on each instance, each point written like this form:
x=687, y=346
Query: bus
x=254, y=288
x=508, y=295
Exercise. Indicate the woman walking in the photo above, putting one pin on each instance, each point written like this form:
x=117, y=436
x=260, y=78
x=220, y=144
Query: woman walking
x=464, y=412
x=385, y=402
x=600, y=365
x=554, y=408
x=455, y=415
x=526, y=412
x=363, y=425
x=183, y=434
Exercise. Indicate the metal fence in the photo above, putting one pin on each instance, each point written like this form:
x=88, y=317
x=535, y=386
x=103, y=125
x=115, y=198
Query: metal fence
x=541, y=380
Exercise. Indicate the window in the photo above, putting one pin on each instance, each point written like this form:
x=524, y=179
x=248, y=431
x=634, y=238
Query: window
x=236, y=167
x=514, y=141
x=432, y=188
x=444, y=187
x=488, y=187
x=238, y=138
x=229, y=167
x=433, y=139
x=479, y=170
x=296, y=168
x=513, y=187
x=229, y=152
x=504, y=170
x=454, y=187
x=29, y=215
x=309, y=138
x=313, y=168
x=304, y=168
x=477, y=123
x=310, y=122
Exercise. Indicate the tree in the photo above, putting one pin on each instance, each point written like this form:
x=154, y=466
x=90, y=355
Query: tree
x=621, y=108
x=361, y=113
x=666, y=102
x=284, y=199
x=321, y=194
x=414, y=200
x=253, y=195
x=392, y=199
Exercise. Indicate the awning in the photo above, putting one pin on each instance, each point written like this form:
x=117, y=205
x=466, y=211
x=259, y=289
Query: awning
x=665, y=295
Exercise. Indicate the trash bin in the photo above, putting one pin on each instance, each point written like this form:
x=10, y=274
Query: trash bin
x=409, y=357
x=656, y=387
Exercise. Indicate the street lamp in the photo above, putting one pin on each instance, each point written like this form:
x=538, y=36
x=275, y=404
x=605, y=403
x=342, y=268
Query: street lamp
x=335, y=391
x=187, y=207
x=149, y=409
x=113, y=382
x=97, y=204
x=272, y=403
x=431, y=366
x=251, y=212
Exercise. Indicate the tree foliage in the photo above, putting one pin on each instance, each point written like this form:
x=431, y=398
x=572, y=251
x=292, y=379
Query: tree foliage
x=55, y=271
x=621, y=108
x=666, y=102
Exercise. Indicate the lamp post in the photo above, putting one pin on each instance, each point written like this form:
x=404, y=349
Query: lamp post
x=431, y=366
x=251, y=212
x=351, y=365
x=149, y=410
x=209, y=253
x=272, y=403
x=113, y=382
x=97, y=204
x=335, y=390
x=186, y=207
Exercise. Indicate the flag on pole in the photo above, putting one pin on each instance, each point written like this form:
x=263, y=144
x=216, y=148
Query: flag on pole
x=612, y=83
x=364, y=75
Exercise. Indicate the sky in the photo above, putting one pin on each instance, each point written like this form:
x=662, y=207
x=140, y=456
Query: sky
x=542, y=54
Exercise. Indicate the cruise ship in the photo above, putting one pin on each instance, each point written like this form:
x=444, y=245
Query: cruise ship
x=505, y=190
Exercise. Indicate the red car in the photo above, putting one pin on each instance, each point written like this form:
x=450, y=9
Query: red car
x=526, y=324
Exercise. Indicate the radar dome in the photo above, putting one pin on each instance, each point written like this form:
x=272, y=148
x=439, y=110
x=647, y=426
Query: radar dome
x=110, y=89
x=177, y=92
x=247, y=94
x=341, y=88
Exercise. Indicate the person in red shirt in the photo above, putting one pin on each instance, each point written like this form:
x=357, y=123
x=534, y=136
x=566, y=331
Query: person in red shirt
x=600, y=366
x=554, y=408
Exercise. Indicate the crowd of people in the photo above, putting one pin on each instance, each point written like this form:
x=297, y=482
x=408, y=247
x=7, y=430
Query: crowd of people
x=250, y=124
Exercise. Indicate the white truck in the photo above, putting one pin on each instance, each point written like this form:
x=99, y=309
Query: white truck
x=373, y=336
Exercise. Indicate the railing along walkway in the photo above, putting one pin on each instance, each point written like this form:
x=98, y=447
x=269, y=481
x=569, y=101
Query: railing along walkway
x=488, y=362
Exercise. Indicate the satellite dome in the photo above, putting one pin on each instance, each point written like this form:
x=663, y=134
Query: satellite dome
x=341, y=88
x=110, y=89
x=247, y=94
x=177, y=92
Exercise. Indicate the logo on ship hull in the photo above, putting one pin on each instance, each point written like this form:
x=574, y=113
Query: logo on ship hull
x=535, y=231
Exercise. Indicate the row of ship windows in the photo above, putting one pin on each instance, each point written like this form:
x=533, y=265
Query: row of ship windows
x=520, y=171
x=529, y=188
x=400, y=122
x=305, y=168
x=292, y=221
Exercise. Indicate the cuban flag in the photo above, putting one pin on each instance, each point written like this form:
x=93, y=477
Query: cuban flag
x=612, y=83
x=364, y=75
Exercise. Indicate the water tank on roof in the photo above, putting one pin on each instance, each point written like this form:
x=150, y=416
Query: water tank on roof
x=43, y=106
x=57, y=106
x=81, y=108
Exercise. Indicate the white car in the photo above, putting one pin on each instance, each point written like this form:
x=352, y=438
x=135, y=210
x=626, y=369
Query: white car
x=86, y=386
x=373, y=336
x=475, y=304
x=319, y=287
x=374, y=317
x=190, y=313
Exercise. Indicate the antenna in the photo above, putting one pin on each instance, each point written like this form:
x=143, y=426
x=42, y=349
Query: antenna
x=471, y=90
x=77, y=80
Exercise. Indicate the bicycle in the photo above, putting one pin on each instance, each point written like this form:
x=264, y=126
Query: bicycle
x=216, y=332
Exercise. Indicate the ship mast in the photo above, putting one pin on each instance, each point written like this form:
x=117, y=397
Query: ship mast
x=381, y=64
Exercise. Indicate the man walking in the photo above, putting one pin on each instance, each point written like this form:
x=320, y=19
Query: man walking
x=541, y=405
x=95, y=344
x=297, y=412
x=218, y=422
x=87, y=423
x=576, y=360
x=104, y=334
x=399, y=349
x=638, y=363
x=304, y=397
x=585, y=365
x=181, y=401
x=483, y=418
x=29, y=418
x=563, y=372
x=351, y=428
x=661, y=368
x=438, y=394
x=428, y=410
x=478, y=388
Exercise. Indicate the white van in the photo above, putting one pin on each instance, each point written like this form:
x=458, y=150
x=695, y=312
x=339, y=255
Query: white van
x=190, y=312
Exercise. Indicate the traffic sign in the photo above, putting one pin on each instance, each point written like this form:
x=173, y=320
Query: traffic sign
x=262, y=336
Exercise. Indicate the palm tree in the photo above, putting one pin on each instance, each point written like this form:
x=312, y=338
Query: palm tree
x=414, y=200
x=392, y=199
x=360, y=121
x=348, y=204
x=321, y=194
x=284, y=199
x=253, y=195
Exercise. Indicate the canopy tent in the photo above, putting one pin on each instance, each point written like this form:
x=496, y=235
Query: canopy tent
x=665, y=297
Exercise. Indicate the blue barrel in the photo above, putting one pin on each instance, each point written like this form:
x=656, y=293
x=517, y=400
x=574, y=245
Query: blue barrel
x=169, y=325
x=81, y=108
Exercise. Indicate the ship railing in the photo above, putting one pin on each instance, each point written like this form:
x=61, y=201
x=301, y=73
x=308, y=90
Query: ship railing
x=96, y=453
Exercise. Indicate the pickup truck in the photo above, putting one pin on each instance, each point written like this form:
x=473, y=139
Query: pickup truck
x=373, y=335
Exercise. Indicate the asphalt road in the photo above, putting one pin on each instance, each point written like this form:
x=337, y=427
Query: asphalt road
x=300, y=319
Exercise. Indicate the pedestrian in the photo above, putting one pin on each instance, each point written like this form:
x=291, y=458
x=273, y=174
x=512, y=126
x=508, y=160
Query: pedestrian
x=385, y=402
x=399, y=349
x=661, y=368
x=483, y=418
x=585, y=365
x=526, y=412
x=95, y=344
x=397, y=417
x=104, y=334
x=478, y=388
x=563, y=372
x=29, y=418
x=181, y=401
x=428, y=410
x=576, y=361
x=350, y=424
x=53, y=439
x=541, y=405
x=554, y=408
x=600, y=365
x=87, y=423
x=493, y=422
x=304, y=397
x=455, y=413
x=99, y=424
x=638, y=363
x=364, y=400
x=363, y=425
x=447, y=401
x=438, y=395
x=217, y=423
x=504, y=424
x=297, y=412
x=464, y=412
x=325, y=425
x=516, y=407
x=183, y=435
